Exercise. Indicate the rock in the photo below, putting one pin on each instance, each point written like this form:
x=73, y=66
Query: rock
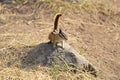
x=6, y=1
x=44, y=54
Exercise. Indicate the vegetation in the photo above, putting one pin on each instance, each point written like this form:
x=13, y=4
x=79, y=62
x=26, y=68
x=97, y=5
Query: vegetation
x=16, y=42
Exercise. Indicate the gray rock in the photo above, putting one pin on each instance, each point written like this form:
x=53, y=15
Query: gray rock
x=6, y=1
x=44, y=54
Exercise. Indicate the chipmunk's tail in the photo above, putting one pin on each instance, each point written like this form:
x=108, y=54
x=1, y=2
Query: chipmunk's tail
x=56, y=21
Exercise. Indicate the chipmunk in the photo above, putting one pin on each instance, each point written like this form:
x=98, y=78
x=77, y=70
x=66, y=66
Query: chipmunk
x=57, y=35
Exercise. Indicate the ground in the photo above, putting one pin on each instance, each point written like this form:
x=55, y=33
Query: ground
x=93, y=30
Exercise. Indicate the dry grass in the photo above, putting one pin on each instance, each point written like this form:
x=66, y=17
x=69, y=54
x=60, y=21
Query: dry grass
x=15, y=44
x=18, y=74
x=15, y=48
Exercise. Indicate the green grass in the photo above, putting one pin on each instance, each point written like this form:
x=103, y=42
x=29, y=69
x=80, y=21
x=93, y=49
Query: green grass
x=82, y=52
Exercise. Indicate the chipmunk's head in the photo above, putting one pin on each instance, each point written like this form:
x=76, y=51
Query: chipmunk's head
x=62, y=34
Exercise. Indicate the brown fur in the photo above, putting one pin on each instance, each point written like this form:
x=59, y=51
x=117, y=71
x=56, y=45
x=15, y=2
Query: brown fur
x=57, y=36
